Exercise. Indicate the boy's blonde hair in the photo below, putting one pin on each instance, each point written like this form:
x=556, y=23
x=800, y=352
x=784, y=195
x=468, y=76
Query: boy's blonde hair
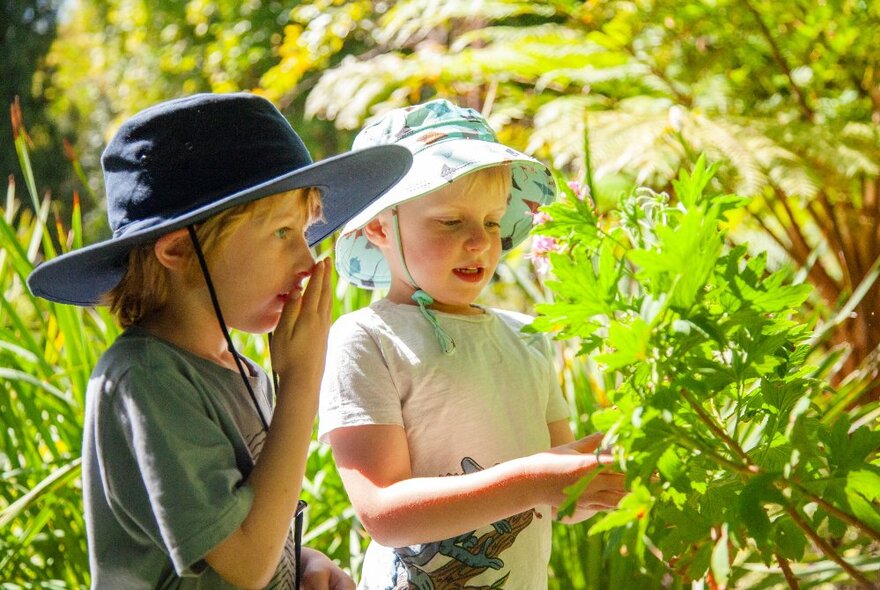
x=144, y=287
x=486, y=179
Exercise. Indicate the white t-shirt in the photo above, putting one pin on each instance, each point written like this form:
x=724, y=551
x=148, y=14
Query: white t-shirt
x=487, y=403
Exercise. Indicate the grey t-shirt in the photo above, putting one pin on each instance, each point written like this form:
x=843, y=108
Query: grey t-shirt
x=169, y=439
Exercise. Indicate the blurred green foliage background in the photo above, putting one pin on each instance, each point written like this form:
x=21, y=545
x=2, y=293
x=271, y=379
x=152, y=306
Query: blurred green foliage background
x=783, y=96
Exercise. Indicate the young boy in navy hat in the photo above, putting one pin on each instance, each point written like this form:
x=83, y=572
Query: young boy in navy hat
x=214, y=202
x=447, y=422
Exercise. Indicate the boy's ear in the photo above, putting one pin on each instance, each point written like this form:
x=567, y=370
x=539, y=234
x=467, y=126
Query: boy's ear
x=174, y=250
x=377, y=231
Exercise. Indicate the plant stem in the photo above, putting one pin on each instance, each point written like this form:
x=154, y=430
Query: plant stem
x=836, y=512
x=786, y=571
x=689, y=443
x=782, y=62
x=827, y=549
x=719, y=432
x=588, y=163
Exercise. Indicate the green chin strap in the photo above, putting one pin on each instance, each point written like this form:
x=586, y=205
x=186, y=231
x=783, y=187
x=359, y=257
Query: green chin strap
x=422, y=299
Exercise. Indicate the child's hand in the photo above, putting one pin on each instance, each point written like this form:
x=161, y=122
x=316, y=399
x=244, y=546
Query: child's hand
x=299, y=343
x=564, y=465
x=319, y=573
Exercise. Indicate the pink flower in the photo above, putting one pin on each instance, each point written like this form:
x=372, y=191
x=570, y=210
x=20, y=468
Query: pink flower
x=542, y=265
x=541, y=247
x=580, y=190
x=540, y=217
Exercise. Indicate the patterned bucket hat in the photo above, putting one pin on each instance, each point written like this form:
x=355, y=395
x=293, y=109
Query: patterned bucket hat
x=447, y=142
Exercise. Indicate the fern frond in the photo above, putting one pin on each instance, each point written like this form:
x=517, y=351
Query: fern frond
x=413, y=20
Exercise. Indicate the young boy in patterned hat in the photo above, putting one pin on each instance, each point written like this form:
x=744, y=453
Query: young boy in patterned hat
x=213, y=201
x=447, y=422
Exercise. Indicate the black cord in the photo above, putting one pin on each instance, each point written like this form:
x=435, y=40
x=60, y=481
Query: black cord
x=297, y=541
x=219, y=314
x=274, y=372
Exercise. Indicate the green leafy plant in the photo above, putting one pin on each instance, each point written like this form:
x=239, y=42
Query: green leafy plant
x=715, y=414
x=46, y=354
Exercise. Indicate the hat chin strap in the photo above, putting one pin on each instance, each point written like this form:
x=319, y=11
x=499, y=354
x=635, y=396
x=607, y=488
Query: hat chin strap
x=216, y=303
x=422, y=299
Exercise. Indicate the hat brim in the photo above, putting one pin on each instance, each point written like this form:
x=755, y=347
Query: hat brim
x=348, y=183
x=434, y=167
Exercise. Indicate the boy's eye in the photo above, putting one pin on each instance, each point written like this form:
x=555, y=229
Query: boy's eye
x=282, y=233
x=449, y=222
x=493, y=224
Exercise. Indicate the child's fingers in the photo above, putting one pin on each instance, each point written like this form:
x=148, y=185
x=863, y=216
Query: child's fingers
x=602, y=500
x=588, y=444
x=605, y=459
x=326, y=301
x=612, y=480
x=604, y=492
x=306, y=305
x=609, y=483
x=289, y=315
x=313, y=290
x=324, y=295
x=320, y=293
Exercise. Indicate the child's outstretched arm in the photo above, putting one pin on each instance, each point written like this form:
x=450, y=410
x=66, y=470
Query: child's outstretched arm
x=398, y=509
x=251, y=554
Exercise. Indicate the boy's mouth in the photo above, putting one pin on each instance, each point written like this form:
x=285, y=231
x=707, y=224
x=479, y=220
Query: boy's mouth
x=471, y=274
x=294, y=293
x=296, y=290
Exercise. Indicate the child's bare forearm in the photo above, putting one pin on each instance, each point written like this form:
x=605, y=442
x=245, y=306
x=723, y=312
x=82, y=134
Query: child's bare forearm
x=426, y=509
x=398, y=509
x=250, y=556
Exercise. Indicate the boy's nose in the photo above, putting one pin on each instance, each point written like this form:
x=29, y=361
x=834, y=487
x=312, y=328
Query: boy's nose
x=301, y=255
x=479, y=238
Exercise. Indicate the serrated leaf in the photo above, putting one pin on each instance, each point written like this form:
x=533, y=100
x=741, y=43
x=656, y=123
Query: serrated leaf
x=605, y=418
x=865, y=482
x=566, y=318
x=578, y=284
x=690, y=186
x=568, y=222
x=669, y=464
x=863, y=443
x=634, y=507
x=790, y=540
x=771, y=299
x=751, y=506
x=863, y=510
x=630, y=343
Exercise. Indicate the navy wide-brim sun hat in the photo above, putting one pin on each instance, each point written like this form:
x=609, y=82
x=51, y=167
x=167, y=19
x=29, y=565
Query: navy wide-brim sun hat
x=182, y=161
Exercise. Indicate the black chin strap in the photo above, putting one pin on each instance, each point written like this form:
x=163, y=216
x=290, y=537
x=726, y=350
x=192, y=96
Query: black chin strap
x=238, y=362
x=301, y=505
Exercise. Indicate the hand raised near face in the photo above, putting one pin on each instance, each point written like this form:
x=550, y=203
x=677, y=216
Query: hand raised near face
x=299, y=343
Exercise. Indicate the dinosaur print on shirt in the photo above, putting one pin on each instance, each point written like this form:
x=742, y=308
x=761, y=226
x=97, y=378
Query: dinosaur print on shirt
x=451, y=563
